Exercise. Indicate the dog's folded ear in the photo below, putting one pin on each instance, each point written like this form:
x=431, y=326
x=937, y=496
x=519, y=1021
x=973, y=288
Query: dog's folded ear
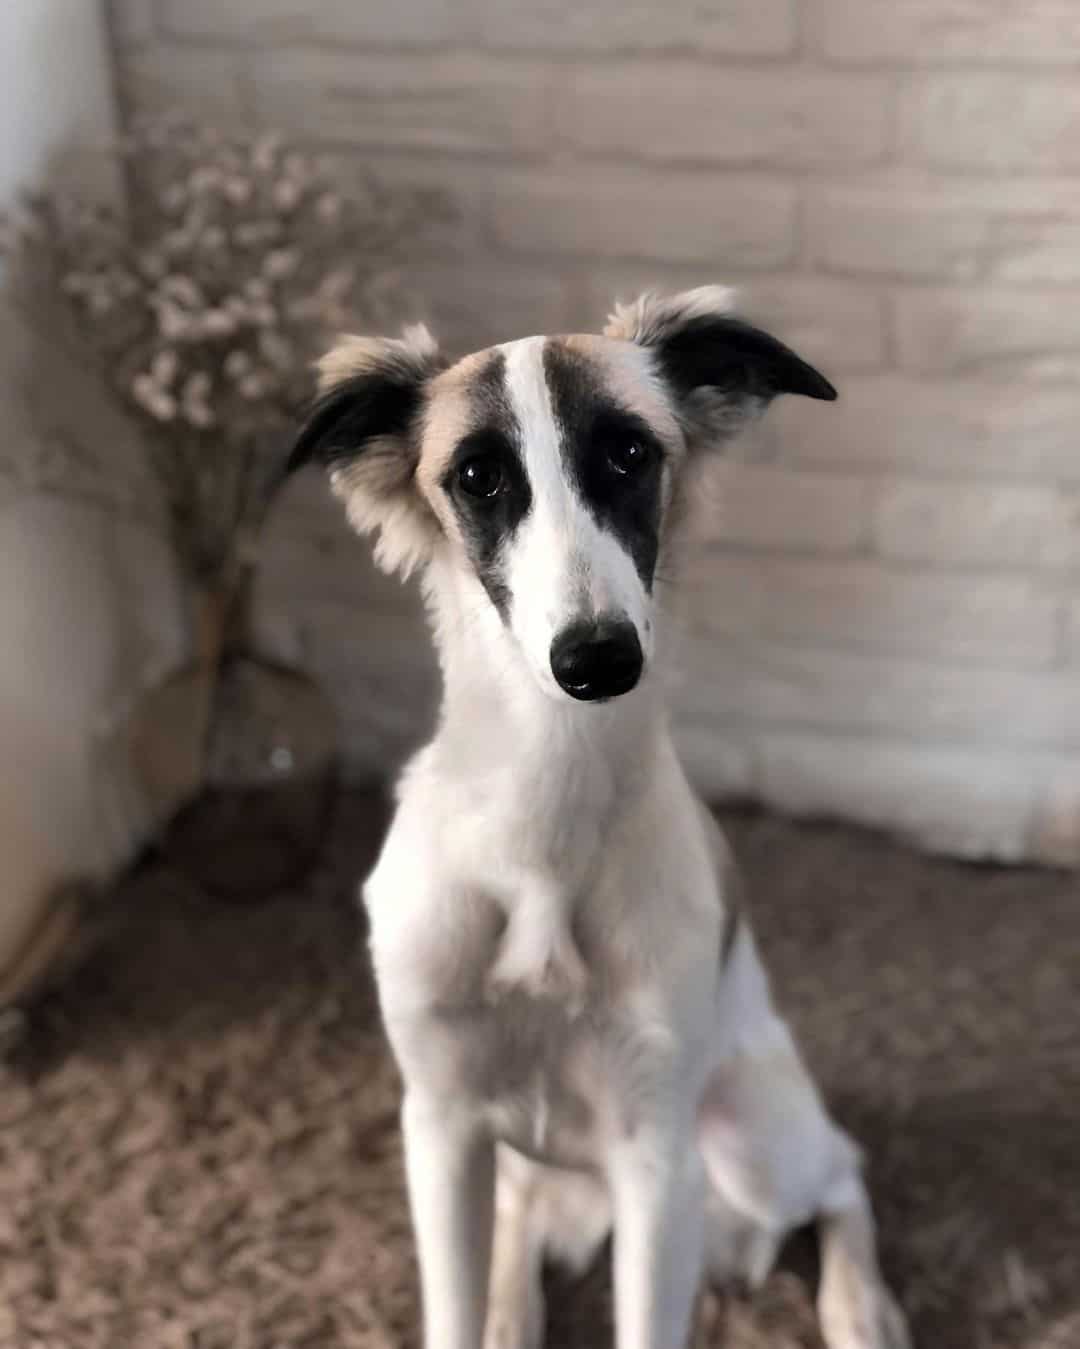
x=721, y=370
x=364, y=429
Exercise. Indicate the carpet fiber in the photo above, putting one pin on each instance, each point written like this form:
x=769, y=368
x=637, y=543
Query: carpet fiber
x=199, y=1148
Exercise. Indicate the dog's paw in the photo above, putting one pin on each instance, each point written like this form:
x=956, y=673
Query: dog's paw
x=861, y=1315
x=550, y=969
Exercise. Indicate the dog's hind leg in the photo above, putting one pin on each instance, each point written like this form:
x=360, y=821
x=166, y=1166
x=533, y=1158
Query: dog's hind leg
x=855, y=1306
x=542, y=1215
x=778, y=1162
x=515, y=1312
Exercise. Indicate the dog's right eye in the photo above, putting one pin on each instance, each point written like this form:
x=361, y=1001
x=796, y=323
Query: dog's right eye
x=628, y=457
x=482, y=476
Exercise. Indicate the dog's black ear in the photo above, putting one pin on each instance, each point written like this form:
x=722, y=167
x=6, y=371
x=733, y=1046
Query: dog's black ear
x=370, y=388
x=721, y=370
x=364, y=429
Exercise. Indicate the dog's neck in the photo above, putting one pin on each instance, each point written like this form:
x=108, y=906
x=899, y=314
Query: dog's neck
x=493, y=706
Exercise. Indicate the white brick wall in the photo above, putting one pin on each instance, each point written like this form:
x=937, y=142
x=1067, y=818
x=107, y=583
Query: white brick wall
x=724, y=28
x=580, y=213
x=958, y=33
x=914, y=227
x=968, y=620
x=448, y=103
x=776, y=507
x=278, y=23
x=1009, y=333
x=1006, y=525
x=884, y=620
x=683, y=112
x=974, y=121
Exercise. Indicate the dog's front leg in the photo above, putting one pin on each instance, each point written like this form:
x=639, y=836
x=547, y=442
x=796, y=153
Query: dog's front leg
x=450, y=1166
x=658, y=1188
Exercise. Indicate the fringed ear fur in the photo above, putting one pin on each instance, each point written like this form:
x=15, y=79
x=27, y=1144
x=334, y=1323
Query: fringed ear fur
x=364, y=429
x=722, y=371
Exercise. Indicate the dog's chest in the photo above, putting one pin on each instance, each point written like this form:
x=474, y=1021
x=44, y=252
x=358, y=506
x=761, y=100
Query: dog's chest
x=641, y=907
x=553, y=1086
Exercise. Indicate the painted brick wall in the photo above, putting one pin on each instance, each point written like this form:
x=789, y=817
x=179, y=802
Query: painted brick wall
x=886, y=623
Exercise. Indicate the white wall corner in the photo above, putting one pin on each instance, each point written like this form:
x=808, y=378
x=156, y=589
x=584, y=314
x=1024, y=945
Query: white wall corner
x=90, y=602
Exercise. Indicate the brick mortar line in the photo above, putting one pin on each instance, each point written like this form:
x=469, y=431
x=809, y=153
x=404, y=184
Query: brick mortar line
x=921, y=284
x=888, y=472
x=968, y=172
x=759, y=729
x=610, y=57
x=950, y=288
x=759, y=650
x=455, y=49
x=908, y=568
x=913, y=66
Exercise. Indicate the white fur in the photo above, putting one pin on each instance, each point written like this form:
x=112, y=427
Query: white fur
x=562, y=565
x=545, y=835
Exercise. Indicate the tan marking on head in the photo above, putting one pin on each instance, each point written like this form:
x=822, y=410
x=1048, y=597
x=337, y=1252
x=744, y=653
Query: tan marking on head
x=651, y=317
x=626, y=370
x=351, y=355
x=448, y=416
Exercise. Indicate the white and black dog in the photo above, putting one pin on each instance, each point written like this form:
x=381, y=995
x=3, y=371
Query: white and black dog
x=574, y=1000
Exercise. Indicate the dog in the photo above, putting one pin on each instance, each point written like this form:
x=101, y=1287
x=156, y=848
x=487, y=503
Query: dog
x=568, y=983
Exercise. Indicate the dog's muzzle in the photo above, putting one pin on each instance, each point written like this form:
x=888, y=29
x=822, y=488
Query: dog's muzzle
x=596, y=660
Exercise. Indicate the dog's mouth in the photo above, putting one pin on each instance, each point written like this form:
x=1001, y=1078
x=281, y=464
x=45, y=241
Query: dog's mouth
x=613, y=686
x=598, y=660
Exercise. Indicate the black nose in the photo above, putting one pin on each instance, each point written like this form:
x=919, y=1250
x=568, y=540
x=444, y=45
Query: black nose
x=597, y=660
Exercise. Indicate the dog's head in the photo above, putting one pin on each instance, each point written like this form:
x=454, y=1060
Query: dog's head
x=545, y=469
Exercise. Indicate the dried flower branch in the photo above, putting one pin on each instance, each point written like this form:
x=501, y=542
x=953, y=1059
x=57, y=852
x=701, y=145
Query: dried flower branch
x=206, y=298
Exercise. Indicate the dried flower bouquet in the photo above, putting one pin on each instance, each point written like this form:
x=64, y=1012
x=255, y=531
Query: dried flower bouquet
x=203, y=299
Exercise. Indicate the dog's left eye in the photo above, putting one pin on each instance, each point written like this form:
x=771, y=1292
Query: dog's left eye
x=628, y=456
x=482, y=476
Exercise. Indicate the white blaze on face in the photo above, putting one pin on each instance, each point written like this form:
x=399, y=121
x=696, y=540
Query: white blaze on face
x=561, y=567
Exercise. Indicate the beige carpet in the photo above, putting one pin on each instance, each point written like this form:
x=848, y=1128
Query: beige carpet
x=198, y=1143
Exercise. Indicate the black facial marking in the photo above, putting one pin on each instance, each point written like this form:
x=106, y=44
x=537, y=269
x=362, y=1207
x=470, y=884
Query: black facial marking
x=486, y=481
x=612, y=456
x=734, y=357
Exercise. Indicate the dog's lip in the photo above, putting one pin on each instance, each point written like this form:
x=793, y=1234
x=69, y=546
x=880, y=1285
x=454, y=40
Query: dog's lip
x=581, y=691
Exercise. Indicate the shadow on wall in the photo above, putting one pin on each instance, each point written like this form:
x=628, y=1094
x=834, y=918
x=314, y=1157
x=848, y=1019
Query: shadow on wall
x=92, y=612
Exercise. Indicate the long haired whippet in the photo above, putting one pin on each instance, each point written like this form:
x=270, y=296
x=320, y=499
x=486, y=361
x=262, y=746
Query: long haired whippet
x=573, y=997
